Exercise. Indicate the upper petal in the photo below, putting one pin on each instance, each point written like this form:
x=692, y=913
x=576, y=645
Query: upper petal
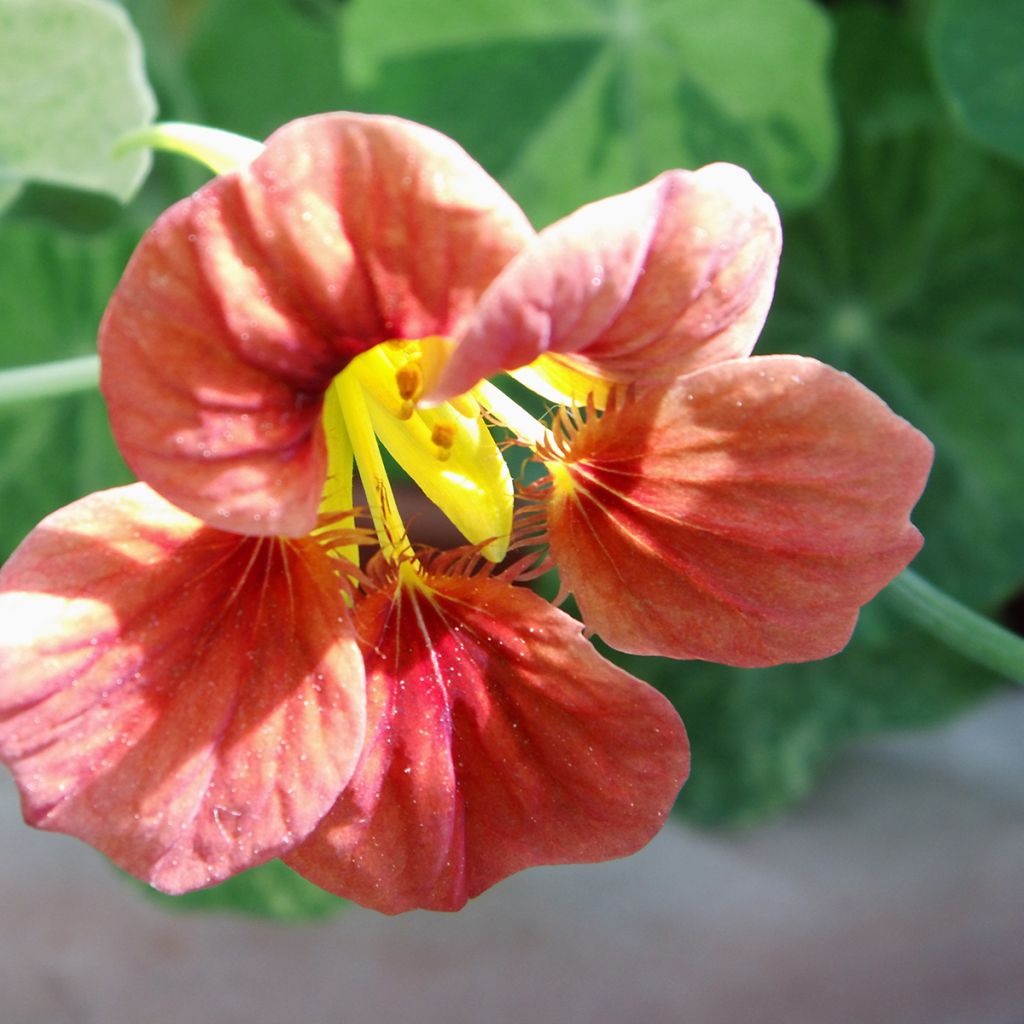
x=244, y=300
x=497, y=738
x=639, y=287
x=741, y=515
x=188, y=701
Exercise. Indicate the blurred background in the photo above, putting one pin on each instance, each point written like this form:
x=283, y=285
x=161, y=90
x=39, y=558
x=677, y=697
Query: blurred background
x=851, y=844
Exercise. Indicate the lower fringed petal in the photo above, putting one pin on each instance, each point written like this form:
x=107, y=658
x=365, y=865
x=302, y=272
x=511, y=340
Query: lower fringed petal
x=188, y=701
x=742, y=515
x=497, y=739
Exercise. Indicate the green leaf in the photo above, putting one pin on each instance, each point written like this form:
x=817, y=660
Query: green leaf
x=71, y=83
x=256, y=64
x=909, y=275
x=977, y=49
x=53, y=288
x=762, y=737
x=569, y=100
x=9, y=191
x=272, y=890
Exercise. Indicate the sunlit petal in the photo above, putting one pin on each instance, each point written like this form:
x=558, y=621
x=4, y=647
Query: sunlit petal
x=188, y=701
x=639, y=287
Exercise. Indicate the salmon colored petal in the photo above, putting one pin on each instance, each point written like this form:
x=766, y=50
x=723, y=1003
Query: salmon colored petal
x=243, y=301
x=742, y=515
x=188, y=701
x=673, y=276
x=497, y=739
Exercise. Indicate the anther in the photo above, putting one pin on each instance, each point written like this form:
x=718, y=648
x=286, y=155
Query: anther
x=409, y=378
x=443, y=436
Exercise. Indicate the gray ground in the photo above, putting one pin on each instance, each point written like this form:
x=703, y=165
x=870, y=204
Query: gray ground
x=896, y=894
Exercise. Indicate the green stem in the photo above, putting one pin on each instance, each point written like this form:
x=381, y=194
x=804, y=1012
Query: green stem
x=219, y=150
x=965, y=631
x=27, y=383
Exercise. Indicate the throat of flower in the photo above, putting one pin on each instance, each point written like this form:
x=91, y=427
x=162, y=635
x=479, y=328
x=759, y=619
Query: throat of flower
x=447, y=450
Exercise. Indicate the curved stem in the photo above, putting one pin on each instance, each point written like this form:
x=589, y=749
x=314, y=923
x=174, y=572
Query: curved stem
x=219, y=150
x=957, y=626
x=27, y=383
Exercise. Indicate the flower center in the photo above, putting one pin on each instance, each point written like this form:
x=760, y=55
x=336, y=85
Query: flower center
x=447, y=449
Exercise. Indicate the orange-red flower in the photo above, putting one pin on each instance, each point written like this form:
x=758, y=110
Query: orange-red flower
x=188, y=701
x=200, y=686
x=734, y=509
x=194, y=702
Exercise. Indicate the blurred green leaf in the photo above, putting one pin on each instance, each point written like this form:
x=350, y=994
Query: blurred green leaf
x=53, y=288
x=909, y=275
x=569, y=100
x=71, y=83
x=317, y=8
x=978, y=49
x=9, y=191
x=272, y=890
x=66, y=208
x=761, y=737
x=255, y=64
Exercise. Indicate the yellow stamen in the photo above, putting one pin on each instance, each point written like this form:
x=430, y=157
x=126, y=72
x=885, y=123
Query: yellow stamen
x=564, y=380
x=337, y=496
x=460, y=469
x=434, y=353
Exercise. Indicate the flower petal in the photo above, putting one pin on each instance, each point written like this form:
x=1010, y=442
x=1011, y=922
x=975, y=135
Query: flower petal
x=243, y=301
x=637, y=288
x=497, y=739
x=742, y=515
x=188, y=701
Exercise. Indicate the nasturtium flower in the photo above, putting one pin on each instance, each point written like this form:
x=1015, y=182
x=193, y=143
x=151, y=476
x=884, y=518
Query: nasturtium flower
x=225, y=663
x=193, y=702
